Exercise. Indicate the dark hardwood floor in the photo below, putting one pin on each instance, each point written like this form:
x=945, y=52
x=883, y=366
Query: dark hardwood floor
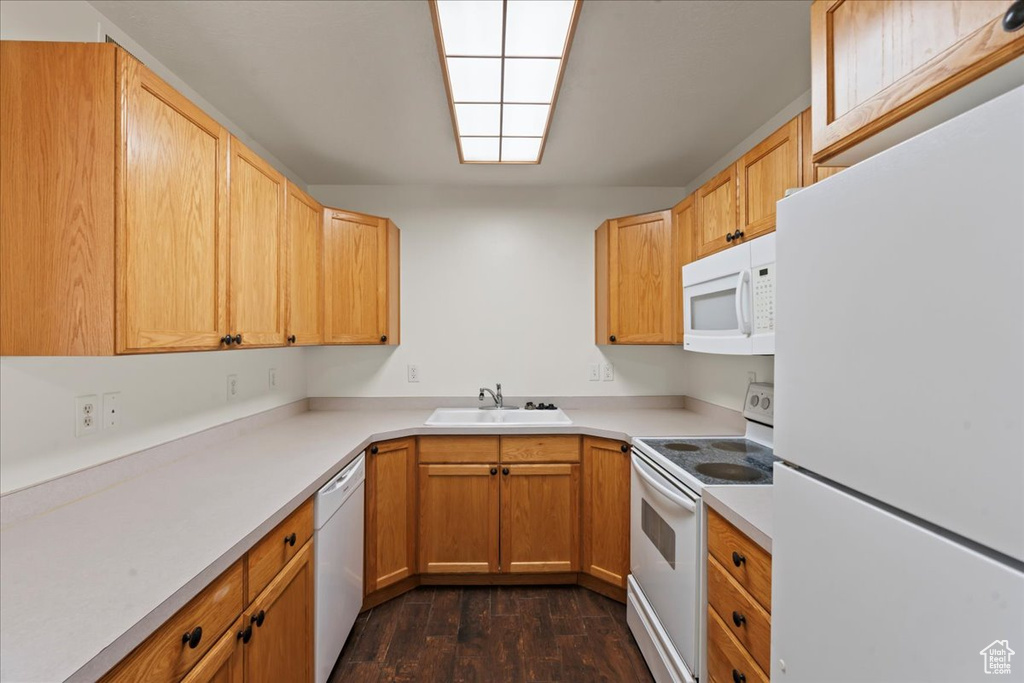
x=557, y=633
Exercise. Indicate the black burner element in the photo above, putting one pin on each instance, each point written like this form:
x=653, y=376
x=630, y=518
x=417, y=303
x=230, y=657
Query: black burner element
x=688, y=447
x=734, y=446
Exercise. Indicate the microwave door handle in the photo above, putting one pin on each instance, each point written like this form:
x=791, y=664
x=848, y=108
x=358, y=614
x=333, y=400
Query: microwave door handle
x=681, y=501
x=741, y=317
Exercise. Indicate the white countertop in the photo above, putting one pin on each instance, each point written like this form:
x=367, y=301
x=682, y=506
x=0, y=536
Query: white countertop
x=748, y=508
x=86, y=582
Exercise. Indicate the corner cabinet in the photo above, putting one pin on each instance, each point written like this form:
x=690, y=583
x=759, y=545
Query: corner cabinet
x=637, y=273
x=606, y=510
x=874, y=64
x=390, y=553
x=304, y=247
x=361, y=279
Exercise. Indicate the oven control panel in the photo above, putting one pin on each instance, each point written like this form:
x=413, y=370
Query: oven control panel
x=764, y=299
x=760, y=403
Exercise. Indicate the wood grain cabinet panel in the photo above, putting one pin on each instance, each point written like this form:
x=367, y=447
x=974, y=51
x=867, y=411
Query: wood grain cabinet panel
x=281, y=618
x=717, y=212
x=540, y=518
x=458, y=519
x=746, y=562
x=876, y=62
x=684, y=220
x=257, y=286
x=268, y=557
x=172, y=218
x=743, y=616
x=390, y=513
x=764, y=174
x=606, y=510
x=458, y=449
x=546, y=448
x=361, y=283
x=304, y=248
x=635, y=268
x=223, y=663
x=727, y=659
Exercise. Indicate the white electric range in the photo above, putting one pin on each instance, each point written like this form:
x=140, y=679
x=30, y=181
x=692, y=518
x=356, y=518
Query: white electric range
x=666, y=587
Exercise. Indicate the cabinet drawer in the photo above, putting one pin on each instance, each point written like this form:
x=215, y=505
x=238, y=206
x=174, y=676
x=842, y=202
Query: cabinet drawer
x=745, y=561
x=271, y=554
x=164, y=656
x=743, y=616
x=458, y=449
x=540, y=448
x=726, y=655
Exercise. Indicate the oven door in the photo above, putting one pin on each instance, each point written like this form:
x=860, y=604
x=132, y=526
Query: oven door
x=665, y=554
x=717, y=303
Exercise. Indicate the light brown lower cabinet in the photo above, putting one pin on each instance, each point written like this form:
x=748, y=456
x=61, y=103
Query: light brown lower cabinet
x=458, y=519
x=540, y=518
x=223, y=663
x=390, y=524
x=606, y=510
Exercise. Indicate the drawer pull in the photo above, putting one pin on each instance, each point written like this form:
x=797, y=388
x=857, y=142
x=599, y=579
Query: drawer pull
x=738, y=559
x=738, y=619
x=504, y=470
x=245, y=635
x=259, y=616
x=192, y=638
x=290, y=539
x=738, y=677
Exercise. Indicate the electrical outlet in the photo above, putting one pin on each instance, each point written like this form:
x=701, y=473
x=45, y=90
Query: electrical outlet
x=86, y=415
x=111, y=410
x=607, y=372
x=751, y=377
x=594, y=372
x=272, y=379
x=232, y=387
x=413, y=372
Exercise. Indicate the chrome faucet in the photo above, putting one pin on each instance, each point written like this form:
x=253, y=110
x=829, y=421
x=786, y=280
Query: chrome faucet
x=496, y=396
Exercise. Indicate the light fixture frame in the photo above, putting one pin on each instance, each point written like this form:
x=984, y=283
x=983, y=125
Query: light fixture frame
x=578, y=4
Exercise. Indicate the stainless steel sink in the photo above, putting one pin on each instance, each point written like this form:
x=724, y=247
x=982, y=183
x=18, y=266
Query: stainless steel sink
x=728, y=470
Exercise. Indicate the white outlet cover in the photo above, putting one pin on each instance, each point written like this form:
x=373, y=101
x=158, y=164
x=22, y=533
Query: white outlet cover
x=607, y=372
x=232, y=387
x=87, y=418
x=111, y=410
x=272, y=378
x=594, y=372
x=413, y=372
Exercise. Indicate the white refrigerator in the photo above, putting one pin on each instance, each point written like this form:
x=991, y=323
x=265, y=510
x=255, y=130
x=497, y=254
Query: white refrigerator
x=898, y=543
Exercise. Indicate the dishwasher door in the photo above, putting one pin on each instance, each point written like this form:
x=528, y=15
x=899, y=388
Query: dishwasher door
x=339, y=563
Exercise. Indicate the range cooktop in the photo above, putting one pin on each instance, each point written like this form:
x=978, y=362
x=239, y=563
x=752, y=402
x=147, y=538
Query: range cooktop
x=716, y=461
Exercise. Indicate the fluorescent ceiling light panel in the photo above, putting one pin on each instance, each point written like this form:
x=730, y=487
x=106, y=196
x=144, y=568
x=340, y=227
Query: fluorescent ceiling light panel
x=503, y=62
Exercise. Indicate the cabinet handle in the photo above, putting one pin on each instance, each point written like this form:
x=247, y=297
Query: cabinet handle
x=624, y=448
x=504, y=470
x=738, y=677
x=738, y=619
x=291, y=339
x=259, y=616
x=738, y=559
x=383, y=339
x=227, y=339
x=290, y=539
x=192, y=638
x=238, y=339
x=373, y=450
x=245, y=635
x=494, y=470
x=612, y=339
x=734, y=236
x=1013, y=20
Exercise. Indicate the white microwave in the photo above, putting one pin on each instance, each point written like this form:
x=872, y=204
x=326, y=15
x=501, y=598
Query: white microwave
x=729, y=300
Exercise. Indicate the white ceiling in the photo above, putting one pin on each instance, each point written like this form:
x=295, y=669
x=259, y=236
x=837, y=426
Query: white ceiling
x=351, y=92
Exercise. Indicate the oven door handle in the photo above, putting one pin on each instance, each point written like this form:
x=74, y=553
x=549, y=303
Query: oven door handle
x=681, y=501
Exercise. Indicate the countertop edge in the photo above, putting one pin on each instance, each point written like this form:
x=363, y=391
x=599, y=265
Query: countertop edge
x=739, y=520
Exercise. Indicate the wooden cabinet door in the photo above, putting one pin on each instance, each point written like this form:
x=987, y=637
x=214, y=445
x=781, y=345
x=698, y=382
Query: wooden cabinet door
x=390, y=513
x=606, y=510
x=876, y=63
x=305, y=269
x=641, y=271
x=458, y=521
x=223, y=663
x=683, y=221
x=360, y=279
x=257, y=283
x=540, y=521
x=172, y=218
x=717, y=213
x=765, y=173
x=281, y=645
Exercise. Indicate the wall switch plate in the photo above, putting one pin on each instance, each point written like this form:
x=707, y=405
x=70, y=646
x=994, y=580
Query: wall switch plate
x=87, y=415
x=751, y=377
x=272, y=378
x=607, y=372
x=232, y=387
x=413, y=372
x=111, y=410
x=594, y=372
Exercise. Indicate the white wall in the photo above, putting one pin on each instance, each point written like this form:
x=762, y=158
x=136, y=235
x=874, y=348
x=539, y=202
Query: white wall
x=497, y=286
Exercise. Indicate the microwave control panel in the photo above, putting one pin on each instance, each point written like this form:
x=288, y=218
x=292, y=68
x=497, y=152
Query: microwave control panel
x=764, y=299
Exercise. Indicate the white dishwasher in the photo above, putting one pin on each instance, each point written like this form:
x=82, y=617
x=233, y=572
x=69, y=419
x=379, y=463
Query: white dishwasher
x=339, y=563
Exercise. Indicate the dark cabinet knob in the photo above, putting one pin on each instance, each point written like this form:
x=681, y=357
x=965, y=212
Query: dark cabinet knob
x=373, y=450
x=192, y=638
x=612, y=339
x=290, y=539
x=494, y=470
x=291, y=339
x=738, y=677
x=1013, y=20
x=237, y=339
x=624, y=448
x=504, y=470
x=227, y=339
x=738, y=559
x=383, y=339
x=734, y=236
x=728, y=237
x=738, y=619
x=261, y=615
x=245, y=635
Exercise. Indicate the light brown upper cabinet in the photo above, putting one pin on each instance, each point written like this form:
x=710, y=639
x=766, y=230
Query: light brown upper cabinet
x=361, y=285
x=874, y=63
x=684, y=219
x=637, y=274
x=256, y=302
x=763, y=176
x=717, y=213
x=305, y=317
